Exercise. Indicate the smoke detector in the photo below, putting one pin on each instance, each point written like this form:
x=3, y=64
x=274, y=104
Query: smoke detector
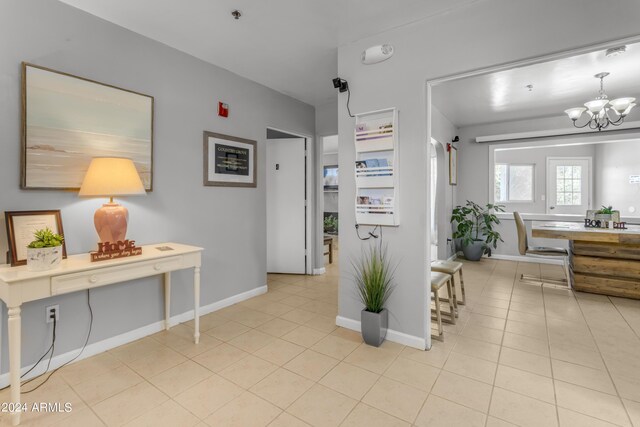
x=236, y=14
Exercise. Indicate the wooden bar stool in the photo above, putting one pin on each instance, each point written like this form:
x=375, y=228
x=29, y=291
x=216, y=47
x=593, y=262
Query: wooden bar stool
x=452, y=267
x=438, y=281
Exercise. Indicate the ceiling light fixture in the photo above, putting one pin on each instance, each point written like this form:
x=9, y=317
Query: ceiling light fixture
x=236, y=14
x=601, y=111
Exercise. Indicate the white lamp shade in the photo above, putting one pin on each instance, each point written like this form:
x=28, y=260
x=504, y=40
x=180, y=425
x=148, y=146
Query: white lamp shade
x=621, y=104
x=575, y=113
x=111, y=176
x=633, y=104
x=596, y=105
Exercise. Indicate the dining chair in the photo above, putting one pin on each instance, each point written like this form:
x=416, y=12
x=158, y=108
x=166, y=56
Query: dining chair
x=541, y=252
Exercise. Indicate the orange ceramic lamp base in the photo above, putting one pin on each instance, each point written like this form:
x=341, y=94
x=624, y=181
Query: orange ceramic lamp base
x=111, y=222
x=111, y=176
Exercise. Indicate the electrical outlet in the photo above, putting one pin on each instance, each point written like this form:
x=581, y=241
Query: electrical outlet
x=52, y=309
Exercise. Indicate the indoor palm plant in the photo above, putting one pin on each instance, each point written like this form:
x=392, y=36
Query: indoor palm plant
x=474, y=227
x=374, y=280
x=45, y=252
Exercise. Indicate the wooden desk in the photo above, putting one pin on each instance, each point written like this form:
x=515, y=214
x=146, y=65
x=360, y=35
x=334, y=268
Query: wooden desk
x=603, y=261
x=76, y=273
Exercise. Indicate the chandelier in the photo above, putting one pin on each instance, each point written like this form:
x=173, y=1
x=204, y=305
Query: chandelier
x=601, y=111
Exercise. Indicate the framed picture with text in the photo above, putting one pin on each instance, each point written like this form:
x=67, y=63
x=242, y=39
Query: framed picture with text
x=20, y=228
x=453, y=165
x=229, y=161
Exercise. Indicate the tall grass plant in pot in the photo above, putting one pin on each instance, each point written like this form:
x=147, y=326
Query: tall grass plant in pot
x=374, y=280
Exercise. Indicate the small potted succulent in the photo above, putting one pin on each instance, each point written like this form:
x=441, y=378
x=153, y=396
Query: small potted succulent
x=45, y=252
x=607, y=214
x=374, y=280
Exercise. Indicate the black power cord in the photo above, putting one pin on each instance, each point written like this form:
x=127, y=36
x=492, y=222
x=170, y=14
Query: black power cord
x=349, y=99
x=86, y=341
x=52, y=349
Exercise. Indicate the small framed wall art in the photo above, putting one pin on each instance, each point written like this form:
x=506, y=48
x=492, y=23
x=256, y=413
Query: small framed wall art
x=20, y=228
x=229, y=161
x=453, y=165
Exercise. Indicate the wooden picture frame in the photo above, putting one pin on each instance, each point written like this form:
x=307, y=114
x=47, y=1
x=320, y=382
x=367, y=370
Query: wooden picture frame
x=453, y=165
x=21, y=226
x=68, y=120
x=229, y=161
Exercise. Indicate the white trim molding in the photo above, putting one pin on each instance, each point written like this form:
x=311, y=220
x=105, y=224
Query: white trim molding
x=551, y=133
x=319, y=271
x=521, y=258
x=395, y=336
x=136, y=334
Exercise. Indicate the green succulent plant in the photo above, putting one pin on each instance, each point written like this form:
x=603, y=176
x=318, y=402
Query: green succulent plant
x=331, y=224
x=606, y=210
x=45, y=238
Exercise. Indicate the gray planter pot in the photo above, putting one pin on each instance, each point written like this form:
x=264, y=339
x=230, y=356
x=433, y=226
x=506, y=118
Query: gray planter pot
x=473, y=252
x=374, y=326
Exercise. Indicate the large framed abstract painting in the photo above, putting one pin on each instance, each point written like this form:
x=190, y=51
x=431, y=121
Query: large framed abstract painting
x=68, y=120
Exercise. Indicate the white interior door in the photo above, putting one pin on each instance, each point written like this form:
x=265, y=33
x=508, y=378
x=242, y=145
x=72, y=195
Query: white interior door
x=286, y=211
x=568, y=185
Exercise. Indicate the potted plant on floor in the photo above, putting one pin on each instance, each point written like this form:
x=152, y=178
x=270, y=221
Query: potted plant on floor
x=474, y=227
x=374, y=280
x=45, y=252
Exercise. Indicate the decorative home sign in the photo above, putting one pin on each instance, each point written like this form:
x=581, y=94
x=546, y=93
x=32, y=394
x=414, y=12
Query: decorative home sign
x=453, y=165
x=68, y=120
x=229, y=161
x=20, y=228
x=119, y=249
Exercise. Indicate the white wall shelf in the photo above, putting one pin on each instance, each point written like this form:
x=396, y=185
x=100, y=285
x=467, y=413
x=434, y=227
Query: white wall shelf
x=376, y=168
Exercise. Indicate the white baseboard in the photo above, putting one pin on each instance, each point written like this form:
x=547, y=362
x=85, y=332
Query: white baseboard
x=395, y=336
x=521, y=258
x=136, y=334
x=319, y=271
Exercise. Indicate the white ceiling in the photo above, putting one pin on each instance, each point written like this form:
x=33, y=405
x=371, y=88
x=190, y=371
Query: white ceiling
x=287, y=45
x=557, y=86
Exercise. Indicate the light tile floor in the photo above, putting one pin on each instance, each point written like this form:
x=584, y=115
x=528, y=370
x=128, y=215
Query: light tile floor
x=519, y=355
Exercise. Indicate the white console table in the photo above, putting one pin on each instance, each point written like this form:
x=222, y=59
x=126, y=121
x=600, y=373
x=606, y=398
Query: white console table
x=76, y=273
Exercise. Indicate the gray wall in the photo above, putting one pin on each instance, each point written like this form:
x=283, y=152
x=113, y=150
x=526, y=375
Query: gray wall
x=480, y=35
x=330, y=197
x=443, y=131
x=538, y=158
x=326, y=125
x=613, y=165
x=228, y=222
x=473, y=162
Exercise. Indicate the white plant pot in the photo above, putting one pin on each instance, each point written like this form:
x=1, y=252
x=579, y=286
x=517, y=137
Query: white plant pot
x=42, y=259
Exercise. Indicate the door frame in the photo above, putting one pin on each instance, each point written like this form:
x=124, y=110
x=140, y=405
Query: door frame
x=426, y=131
x=589, y=178
x=310, y=242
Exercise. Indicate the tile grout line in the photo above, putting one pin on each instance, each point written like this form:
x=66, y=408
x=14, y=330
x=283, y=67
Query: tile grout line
x=553, y=378
x=495, y=375
x=605, y=362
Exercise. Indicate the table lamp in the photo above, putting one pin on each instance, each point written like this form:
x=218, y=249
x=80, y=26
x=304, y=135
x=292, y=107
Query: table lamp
x=109, y=177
